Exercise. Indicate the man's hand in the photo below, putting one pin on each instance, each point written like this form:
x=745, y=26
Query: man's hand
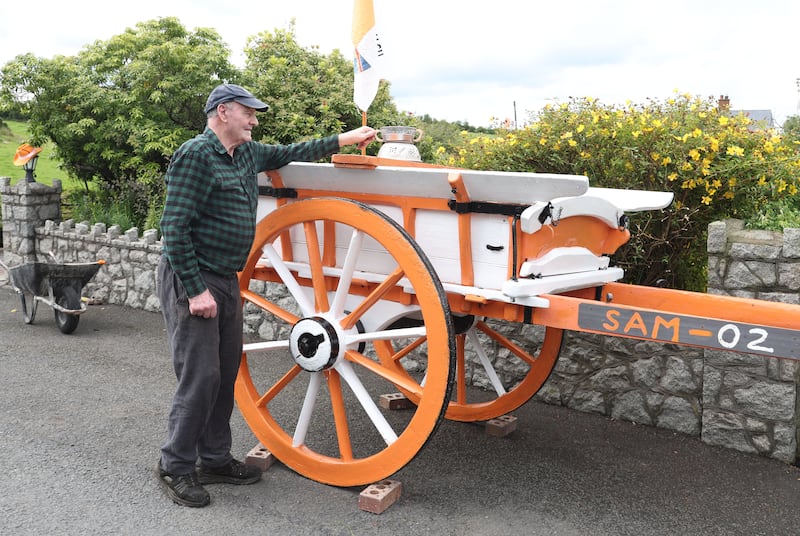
x=203, y=305
x=362, y=136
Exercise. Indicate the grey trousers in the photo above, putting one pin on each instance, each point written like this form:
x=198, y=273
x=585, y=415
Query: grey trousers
x=205, y=353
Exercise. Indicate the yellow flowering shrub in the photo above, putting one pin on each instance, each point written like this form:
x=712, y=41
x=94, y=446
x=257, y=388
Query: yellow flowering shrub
x=718, y=165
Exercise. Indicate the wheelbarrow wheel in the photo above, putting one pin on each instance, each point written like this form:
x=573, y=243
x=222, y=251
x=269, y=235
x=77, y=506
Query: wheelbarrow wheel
x=69, y=299
x=29, y=306
x=498, y=396
x=310, y=386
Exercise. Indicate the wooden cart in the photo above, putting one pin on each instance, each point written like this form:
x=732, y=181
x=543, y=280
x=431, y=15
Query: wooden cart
x=378, y=273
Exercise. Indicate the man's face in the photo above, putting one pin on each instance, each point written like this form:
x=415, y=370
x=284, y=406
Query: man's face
x=239, y=121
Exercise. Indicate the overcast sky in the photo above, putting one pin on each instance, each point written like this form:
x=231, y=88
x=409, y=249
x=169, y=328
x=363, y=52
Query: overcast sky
x=471, y=61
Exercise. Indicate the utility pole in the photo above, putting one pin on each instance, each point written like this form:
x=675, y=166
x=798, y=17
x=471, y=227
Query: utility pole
x=515, y=111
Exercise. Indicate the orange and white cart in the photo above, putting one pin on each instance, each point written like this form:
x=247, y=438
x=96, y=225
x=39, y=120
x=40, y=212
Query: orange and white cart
x=378, y=273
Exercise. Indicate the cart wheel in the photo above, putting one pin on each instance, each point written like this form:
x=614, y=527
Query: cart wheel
x=499, y=398
x=29, y=305
x=69, y=299
x=334, y=256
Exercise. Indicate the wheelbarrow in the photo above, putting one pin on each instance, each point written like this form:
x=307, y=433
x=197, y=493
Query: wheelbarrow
x=57, y=285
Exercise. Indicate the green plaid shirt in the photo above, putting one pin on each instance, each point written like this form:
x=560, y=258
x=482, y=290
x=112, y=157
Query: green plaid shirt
x=210, y=210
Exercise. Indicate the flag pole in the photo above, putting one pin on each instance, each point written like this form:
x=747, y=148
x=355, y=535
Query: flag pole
x=368, y=56
x=363, y=124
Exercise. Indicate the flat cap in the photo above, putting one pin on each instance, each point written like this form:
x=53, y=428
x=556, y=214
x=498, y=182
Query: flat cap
x=231, y=92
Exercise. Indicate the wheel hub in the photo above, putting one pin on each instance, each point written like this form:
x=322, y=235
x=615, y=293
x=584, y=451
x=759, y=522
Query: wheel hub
x=314, y=344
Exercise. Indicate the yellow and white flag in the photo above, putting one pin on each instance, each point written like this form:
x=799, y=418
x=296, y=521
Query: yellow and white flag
x=368, y=54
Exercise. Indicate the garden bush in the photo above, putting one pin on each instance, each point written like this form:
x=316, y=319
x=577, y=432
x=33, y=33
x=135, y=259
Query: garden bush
x=718, y=164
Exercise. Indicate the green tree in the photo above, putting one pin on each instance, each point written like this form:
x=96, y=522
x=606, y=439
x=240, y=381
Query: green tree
x=120, y=108
x=791, y=127
x=117, y=110
x=310, y=93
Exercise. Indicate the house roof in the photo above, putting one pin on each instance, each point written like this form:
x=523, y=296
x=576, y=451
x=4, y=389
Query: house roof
x=762, y=117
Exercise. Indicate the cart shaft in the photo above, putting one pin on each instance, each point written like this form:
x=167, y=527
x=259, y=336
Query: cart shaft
x=679, y=317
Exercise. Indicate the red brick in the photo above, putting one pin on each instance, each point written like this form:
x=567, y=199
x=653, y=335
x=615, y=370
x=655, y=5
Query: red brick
x=380, y=496
x=260, y=457
x=501, y=426
x=392, y=401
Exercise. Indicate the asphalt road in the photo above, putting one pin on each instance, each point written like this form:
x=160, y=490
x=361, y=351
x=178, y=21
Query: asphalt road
x=83, y=415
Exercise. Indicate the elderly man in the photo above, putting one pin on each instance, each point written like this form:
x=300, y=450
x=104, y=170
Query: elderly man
x=208, y=226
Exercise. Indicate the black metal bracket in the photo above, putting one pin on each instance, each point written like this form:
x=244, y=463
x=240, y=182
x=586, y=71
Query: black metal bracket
x=483, y=207
x=277, y=192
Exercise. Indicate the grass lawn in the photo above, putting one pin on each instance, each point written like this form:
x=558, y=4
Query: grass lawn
x=46, y=167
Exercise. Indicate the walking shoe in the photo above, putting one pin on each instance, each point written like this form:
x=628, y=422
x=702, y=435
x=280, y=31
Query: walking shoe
x=184, y=489
x=233, y=472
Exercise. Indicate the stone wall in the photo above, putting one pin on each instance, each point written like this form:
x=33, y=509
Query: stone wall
x=128, y=276
x=744, y=402
x=639, y=381
x=32, y=231
x=750, y=403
